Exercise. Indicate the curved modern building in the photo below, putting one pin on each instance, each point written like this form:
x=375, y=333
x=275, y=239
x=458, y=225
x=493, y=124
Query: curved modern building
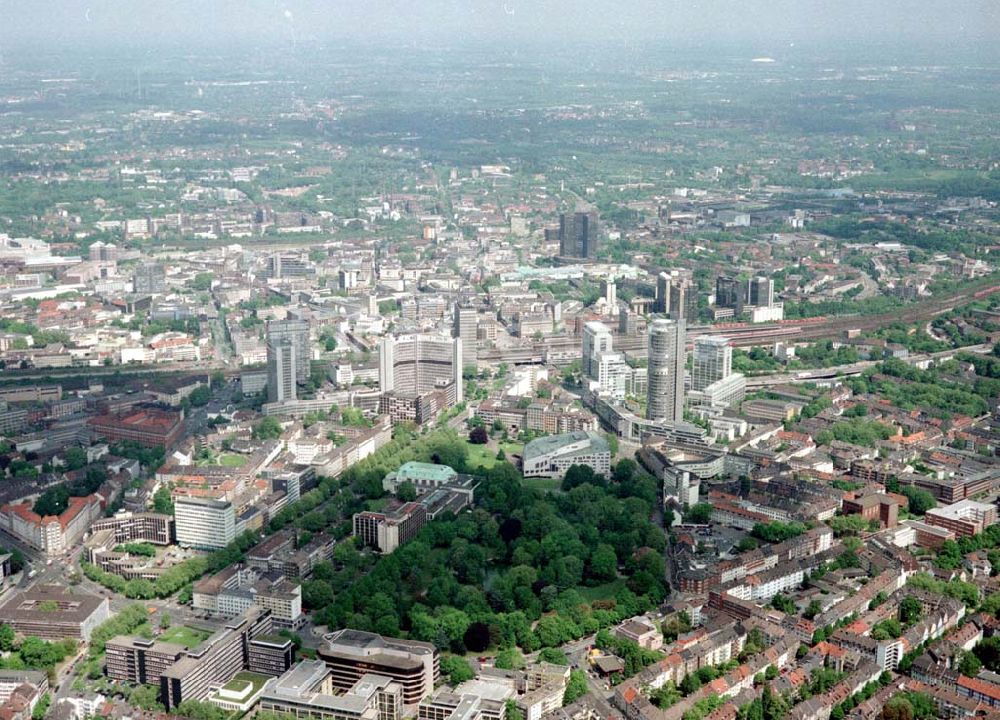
x=351, y=654
x=665, y=385
x=417, y=364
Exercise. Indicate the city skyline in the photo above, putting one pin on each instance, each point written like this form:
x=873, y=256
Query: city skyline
x=499, y=360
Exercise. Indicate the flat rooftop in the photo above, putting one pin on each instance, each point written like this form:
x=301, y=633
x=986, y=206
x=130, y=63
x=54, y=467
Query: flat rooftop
x=555, y=443
x=50, y=603
x=361, y=644
x=495, y=690
x=962, y=510
x=430, y=471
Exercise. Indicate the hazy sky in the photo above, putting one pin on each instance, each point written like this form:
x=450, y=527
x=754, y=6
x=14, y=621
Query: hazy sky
x=758, y=22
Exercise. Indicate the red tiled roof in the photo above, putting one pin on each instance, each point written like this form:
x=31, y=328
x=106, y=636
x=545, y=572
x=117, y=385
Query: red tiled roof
x=718, y=686
x=978, y=686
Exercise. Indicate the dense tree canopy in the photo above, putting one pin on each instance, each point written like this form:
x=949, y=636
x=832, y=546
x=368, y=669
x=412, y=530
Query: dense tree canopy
x=516, y=559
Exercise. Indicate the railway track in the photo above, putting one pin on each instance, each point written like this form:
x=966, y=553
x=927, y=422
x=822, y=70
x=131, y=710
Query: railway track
x=746, y=335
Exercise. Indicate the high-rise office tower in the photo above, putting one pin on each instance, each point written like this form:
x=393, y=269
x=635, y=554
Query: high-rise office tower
x=628, y=321
x=612, y=374
x=296, y=332
x=578, y=235
x=662, y=303
x=610, y=292
x=676, y=296
x=665, y=384
x=728, y=293
x=287, y=266
x=204, y=523
x=464, y=326
x=760, y=292
x=413, y=365
x=596, y=340
x=712, y=361
x=282, y=362
x=103, y=252
x=683, y=300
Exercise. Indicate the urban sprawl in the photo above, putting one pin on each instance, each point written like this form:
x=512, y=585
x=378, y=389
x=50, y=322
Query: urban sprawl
x=603, y=395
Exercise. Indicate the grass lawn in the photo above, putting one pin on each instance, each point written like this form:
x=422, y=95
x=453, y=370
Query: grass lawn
x=543, y=483
x=183, y=635
x=481, y=455
x=601, y=592
x=232, y=460
x=242, y=679
x=511, y=448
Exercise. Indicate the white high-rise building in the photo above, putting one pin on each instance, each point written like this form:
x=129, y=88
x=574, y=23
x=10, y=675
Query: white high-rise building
x=610, y=291
x=663, y=281
x=295, y=331
x=613, y=374
x=712, y=361
x=665, y=384
x=596, y=340
x=203, y=523
x=282, y=363
x=418, y=364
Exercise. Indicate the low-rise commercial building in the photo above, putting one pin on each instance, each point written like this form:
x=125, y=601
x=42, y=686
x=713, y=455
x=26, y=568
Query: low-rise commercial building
x=307, y=691
x=52, y=612
x=154, y=528
x=641, y=633
x=278, y=554
x=552, y=456
x=239, y=694
x=147, y=426
x=965, y=518
x=232, y=591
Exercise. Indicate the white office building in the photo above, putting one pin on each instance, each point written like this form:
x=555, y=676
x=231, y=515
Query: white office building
x=712, y=361
x=204, y=524
x=553, y=455
x=613, y=374
x=417, y=364
x=728, y=392
x=596, y=340
x=282, y=367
